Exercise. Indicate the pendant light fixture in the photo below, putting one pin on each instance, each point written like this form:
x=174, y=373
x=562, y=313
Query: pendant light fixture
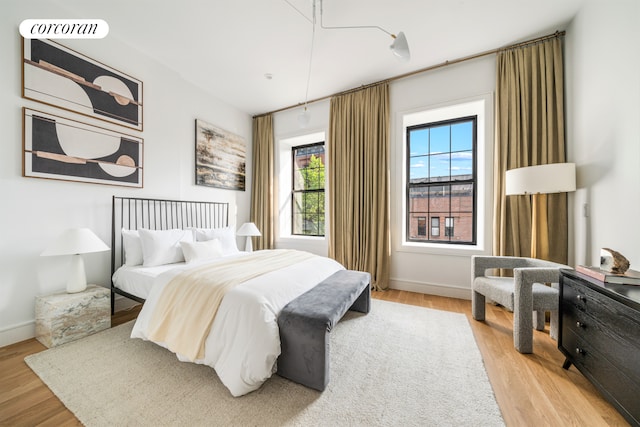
x=399, y=47
x=305, y=117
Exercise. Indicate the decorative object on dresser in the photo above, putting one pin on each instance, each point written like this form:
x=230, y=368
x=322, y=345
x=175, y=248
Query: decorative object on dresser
x=525, y=293
x=64, y=317
x=248, y=229
x=600, y=335
x=220, y=157
x=613, y=261
x=538, y=181
x=75, y=242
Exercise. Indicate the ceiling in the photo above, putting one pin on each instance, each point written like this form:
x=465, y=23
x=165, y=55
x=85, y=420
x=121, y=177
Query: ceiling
x=227, y=48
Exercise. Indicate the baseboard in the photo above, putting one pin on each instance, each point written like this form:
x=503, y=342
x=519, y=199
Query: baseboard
x=431, y=289
x=16, y=333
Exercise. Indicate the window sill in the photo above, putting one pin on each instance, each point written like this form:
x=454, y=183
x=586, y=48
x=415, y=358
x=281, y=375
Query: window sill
x=298, y=238
x=441, y=249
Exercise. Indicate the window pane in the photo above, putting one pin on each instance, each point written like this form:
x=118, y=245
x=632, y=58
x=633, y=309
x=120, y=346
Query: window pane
x=462, y=165
x=462, y=136
x=462, y=198
x=419, y=139
x=439, y=140
x=419, y=168
x=415, y=224
x=439, y=167
x=439, y=198
x=418, y=199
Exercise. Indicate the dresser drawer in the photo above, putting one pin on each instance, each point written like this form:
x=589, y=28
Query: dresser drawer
x=623, y=322
x=609, y=327
x=618, y=387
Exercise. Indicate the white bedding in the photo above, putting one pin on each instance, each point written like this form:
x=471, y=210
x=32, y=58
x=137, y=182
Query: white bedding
x=244, y=342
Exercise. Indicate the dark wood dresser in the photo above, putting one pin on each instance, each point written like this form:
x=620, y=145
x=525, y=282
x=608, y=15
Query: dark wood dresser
x=600, y=334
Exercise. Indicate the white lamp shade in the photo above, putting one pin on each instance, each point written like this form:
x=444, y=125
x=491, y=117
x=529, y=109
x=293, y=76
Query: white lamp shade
x=541, y=179
x=400, y=47
x=75, y=241
x=248, y=229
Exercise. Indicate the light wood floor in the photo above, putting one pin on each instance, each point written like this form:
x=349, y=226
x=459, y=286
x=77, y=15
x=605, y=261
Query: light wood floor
x=530, y=389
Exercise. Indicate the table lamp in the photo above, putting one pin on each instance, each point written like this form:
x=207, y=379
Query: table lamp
x=248, y=229
x=538, y=181
x=75, y=242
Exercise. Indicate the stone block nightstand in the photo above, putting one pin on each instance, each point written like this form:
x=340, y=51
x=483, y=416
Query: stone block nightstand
x=64, y=317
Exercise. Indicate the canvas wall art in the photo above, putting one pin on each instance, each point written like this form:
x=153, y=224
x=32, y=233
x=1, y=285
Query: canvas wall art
x=220, y=157
x=60, y=148
x=58, y=76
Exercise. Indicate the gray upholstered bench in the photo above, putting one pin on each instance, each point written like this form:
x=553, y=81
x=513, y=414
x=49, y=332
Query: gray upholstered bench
x=306, y=321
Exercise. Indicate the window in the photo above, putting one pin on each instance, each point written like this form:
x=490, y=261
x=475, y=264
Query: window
x=422, y=226
x=307, y=192
x=448, y=227
x=441, y=180
x=435, y=226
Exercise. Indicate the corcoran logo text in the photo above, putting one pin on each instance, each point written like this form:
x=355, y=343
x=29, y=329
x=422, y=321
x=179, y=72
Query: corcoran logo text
x=64, y=28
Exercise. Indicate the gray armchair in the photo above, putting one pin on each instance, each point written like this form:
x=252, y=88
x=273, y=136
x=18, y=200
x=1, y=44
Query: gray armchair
x=525, y=294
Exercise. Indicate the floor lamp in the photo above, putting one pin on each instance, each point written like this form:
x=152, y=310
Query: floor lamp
x=538, y=181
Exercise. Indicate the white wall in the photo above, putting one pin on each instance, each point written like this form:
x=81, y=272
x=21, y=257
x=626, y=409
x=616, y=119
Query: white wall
x=35, y=211
x=435, y=271
x=603, y=132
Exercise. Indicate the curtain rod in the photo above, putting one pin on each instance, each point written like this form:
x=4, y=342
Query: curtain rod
x=423, y=70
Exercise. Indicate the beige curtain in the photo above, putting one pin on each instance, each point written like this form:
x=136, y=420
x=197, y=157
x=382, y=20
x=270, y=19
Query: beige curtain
x=262, y=204
x=359, y=182
x=529, y=132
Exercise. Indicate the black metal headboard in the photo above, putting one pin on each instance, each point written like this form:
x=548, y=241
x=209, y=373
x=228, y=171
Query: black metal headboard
x=133, y=213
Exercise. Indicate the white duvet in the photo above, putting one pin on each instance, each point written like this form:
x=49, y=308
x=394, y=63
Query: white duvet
x=244, y=342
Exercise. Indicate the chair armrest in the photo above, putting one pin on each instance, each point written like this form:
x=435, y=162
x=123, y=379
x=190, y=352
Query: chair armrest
x=481, y=263
x=527, y=276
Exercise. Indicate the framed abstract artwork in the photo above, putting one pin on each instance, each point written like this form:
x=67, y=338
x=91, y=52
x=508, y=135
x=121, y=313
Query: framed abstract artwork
x=56, y=75
x=220, y=157
x=60, y=148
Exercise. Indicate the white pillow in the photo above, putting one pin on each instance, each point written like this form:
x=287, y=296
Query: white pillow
x=132, y=247
x=161, y=247
x=226, y=235
x=194, y=251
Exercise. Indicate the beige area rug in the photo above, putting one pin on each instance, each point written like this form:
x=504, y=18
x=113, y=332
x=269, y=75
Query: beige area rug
x=399, y=365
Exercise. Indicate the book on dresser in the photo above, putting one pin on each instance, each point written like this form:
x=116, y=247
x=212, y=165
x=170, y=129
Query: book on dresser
x=630, y=277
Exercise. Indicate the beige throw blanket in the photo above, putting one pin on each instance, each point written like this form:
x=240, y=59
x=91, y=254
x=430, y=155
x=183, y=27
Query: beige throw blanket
x=188, y=304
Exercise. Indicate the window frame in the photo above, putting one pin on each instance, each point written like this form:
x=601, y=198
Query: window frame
x=295, y=192
x=474, y=181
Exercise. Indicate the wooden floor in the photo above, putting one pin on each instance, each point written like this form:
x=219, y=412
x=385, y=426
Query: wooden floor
x=531, y=390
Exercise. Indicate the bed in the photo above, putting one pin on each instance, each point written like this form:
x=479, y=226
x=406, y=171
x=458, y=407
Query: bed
x=243, y=343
